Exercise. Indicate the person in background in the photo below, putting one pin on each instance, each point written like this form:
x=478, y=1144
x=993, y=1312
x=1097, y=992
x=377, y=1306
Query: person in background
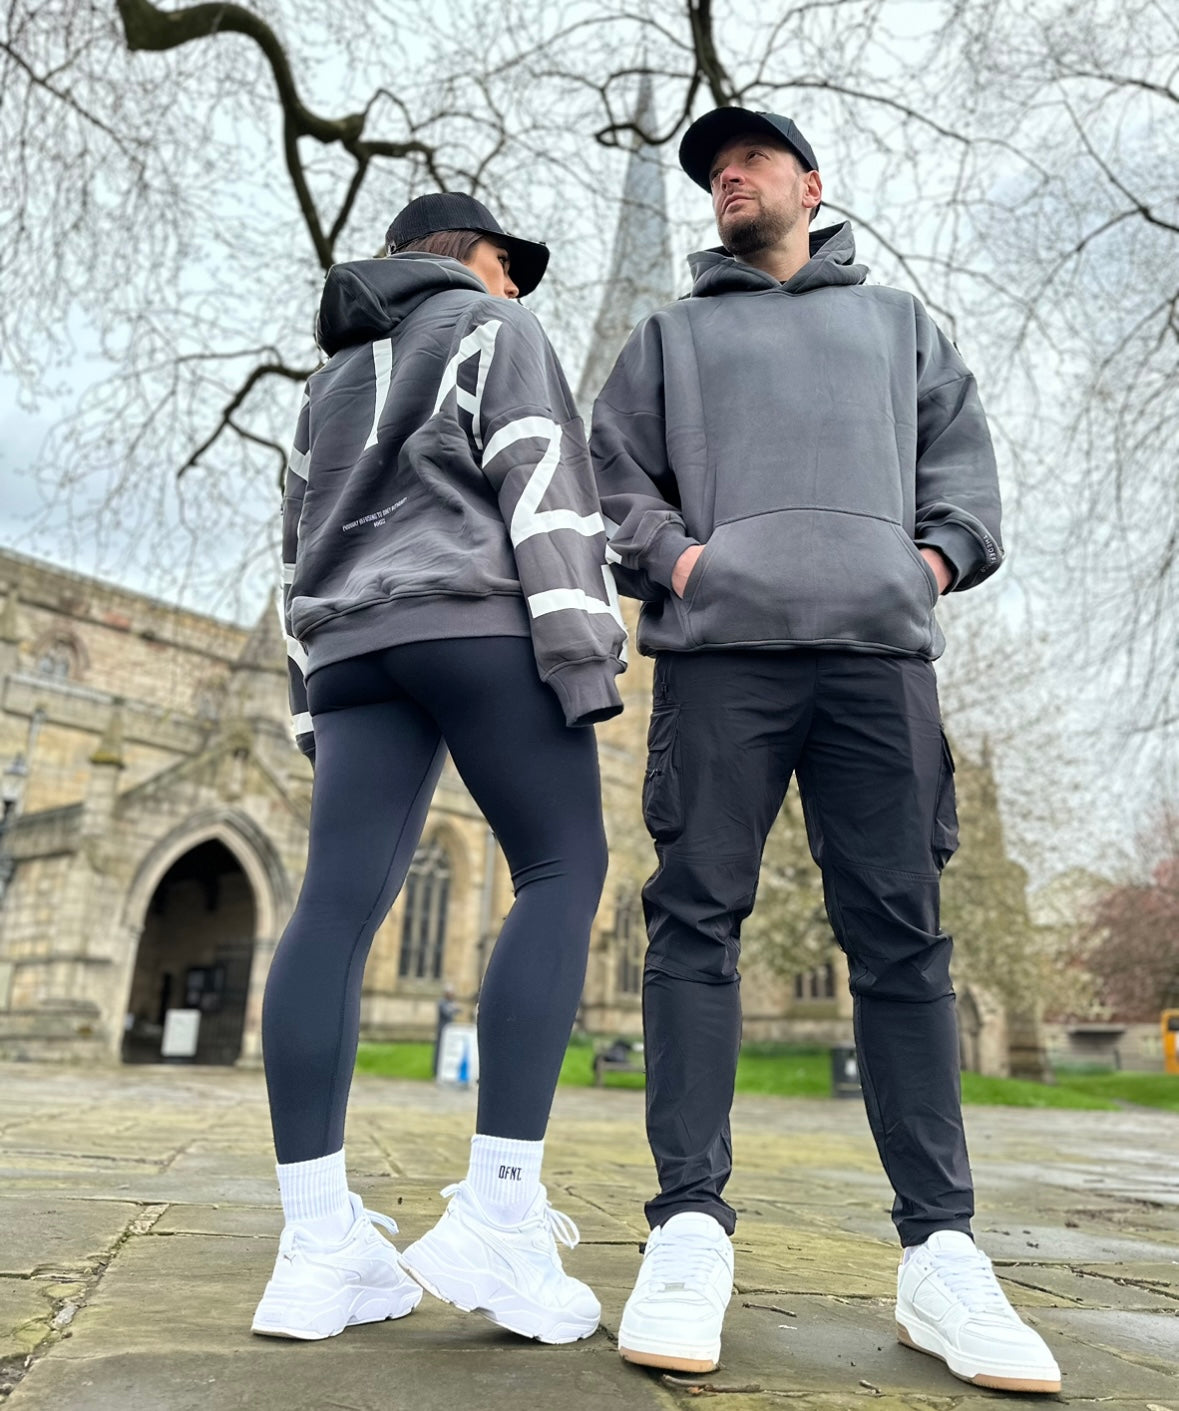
x=448, y=1011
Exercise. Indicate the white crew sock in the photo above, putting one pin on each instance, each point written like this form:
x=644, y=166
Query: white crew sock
x=315, y=1197
x=505, y=1176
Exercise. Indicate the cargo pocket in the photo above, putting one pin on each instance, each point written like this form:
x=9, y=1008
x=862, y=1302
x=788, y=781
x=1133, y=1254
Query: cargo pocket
x=662, y=805
x=945, y=818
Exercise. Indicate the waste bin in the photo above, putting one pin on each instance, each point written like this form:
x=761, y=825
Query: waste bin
x=845, y=1072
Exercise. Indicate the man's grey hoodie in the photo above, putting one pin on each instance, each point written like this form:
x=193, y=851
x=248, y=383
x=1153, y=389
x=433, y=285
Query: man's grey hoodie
x=813, y=435
x=440, y=487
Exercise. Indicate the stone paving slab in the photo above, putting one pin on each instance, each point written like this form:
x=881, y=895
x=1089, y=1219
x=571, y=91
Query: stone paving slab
x=1144, y=1287
x=1149, y=1338
x=323, y=1377
x=27, y=1310
x=138, y=1223
x=43, y=1233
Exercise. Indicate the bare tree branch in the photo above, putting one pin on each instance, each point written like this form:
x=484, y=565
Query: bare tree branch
x=255, y=376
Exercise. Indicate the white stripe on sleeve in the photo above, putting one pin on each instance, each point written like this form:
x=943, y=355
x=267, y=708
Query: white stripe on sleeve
x=560, y=599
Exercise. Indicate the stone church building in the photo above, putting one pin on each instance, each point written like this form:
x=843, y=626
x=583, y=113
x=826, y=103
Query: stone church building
x=155, y=810
x=155, y=831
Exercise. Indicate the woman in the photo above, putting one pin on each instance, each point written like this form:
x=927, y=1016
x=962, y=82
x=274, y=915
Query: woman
x=444, y=558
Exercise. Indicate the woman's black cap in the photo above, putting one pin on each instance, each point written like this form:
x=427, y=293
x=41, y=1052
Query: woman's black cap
x=707, y=135
x=451, y=210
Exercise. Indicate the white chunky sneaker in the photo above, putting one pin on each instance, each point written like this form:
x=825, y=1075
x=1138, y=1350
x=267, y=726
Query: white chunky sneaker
x=317, y=1290
x=675, y=1314
x=950, y=1305
x=512, y=1275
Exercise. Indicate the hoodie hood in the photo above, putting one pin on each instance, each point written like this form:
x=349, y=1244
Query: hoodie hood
x=366, y=299
x=832, y=261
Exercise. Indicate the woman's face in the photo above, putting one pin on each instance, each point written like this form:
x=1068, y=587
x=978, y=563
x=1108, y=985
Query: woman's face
x=490, y=262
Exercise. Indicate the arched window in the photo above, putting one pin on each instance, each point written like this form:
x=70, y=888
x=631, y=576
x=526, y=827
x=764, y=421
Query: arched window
x=208, y=700
x=423, y=932
x=629, y=938
x=59, y=657
x=817, y=983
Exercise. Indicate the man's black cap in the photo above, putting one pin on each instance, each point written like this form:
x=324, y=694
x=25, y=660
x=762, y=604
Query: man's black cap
x=451, y=210
x=707, y=135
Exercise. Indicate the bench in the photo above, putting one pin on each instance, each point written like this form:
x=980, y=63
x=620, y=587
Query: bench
x=621, y=1056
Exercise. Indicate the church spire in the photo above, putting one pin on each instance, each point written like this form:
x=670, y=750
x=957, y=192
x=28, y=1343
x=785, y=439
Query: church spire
x=640, y=277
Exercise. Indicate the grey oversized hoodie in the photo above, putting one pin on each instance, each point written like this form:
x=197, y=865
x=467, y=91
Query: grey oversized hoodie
x=440, y=487
x=812, y=435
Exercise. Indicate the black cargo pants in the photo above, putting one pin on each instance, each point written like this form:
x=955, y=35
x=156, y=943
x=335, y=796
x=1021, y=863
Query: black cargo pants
x=863, y=736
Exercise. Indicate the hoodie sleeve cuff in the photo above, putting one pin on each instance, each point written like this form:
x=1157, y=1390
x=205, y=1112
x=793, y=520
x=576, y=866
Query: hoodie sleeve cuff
x=586, y=690
x=664, y=550
x=960, y=549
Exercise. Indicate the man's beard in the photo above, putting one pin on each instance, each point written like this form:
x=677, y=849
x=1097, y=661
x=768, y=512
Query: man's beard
x=762, y=232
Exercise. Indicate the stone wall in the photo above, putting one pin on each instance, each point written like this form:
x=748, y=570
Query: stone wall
x=168, y=730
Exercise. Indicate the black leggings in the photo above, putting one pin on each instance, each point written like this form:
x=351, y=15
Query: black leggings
x=382, y=724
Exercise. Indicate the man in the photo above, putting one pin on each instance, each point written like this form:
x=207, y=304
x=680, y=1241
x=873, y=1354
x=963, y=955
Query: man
x=797, y=466
x=448, y=1011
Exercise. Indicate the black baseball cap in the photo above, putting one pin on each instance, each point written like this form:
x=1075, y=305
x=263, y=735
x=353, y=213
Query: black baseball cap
x=452, y=210
x=707, y=135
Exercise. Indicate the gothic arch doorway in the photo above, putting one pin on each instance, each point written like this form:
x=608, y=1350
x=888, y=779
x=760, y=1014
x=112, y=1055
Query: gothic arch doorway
x=970, y=1027
x=195, y=953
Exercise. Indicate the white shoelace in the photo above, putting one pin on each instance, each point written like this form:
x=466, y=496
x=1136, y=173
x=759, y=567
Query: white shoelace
x=688, y=1260
x=559, y=1225
x=291, y=1235
x=384, y=1221
x=970, y=1278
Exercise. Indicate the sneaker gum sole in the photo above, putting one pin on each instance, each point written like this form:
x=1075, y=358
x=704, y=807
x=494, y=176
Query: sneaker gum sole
x=523, y=1322
x=668, y=1362
x=984, y=1379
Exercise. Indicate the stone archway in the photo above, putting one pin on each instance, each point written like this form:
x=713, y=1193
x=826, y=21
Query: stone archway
x=195, y=952
x=255, y=856
x=970, y=1027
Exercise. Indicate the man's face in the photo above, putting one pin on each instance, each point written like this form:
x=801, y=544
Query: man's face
x=758, y=187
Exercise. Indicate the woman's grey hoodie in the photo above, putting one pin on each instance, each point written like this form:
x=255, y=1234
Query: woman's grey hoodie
x=440, y=487
x=813, y=435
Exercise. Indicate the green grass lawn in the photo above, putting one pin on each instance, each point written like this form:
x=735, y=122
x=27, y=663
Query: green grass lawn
x=1146, y=1089
x=786, y=1071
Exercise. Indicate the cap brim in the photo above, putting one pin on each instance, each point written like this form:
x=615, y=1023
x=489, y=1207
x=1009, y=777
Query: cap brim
x=529, y=260
x=707, y=135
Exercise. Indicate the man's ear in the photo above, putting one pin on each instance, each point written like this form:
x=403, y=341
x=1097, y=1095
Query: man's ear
x=812, y=191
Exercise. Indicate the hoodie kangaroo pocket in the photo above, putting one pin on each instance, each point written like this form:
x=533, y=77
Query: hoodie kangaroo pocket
x=812, y=576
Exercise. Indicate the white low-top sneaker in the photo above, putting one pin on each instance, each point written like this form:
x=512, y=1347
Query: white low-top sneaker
x=950, y=1305
x=511, y=1274
x=675, y=1314
x=317, y=1290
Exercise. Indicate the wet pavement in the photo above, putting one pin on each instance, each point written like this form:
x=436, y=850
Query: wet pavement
x=139, y=1219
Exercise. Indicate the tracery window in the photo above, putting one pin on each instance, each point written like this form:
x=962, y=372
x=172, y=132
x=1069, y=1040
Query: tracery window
x=59, y=658
x=818, y=983
x=427, y=897
x=630, y=940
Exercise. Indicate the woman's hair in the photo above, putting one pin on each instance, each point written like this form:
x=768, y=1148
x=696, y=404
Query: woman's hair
x=455, y=244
